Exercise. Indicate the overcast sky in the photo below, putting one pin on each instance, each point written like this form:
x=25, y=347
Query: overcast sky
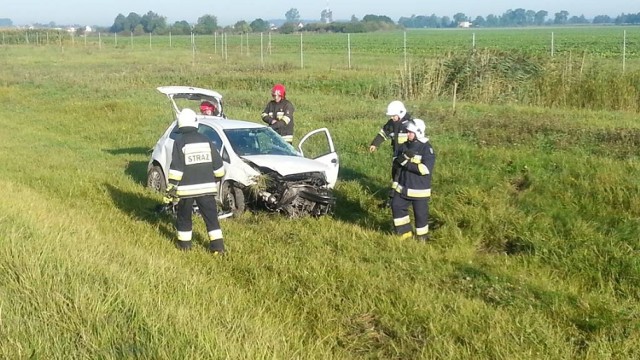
x=228, y=12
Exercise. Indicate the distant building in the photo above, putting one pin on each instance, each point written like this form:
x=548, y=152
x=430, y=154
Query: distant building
x=464, y=24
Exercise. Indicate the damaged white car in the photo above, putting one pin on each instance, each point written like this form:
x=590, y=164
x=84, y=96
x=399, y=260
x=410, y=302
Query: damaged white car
x=262, y=171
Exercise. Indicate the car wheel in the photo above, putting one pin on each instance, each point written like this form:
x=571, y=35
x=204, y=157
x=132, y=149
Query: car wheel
x=232, y=199
x=155, y=179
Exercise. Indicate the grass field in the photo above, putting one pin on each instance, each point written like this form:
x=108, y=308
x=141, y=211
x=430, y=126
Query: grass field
x=535, y=212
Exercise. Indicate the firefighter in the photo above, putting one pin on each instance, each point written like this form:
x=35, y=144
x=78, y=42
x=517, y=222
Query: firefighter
x=207, y=108
x=415, y=160
x=394, y=129
x=195, y=168
x=278, y=113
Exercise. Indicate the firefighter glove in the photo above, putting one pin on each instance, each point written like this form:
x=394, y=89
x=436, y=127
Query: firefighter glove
x=408, y=154
x=170, y=194
x=401, y=161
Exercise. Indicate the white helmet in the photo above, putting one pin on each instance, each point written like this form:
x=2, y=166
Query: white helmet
x=418, y=127
x=187, y=118
x=396, y=108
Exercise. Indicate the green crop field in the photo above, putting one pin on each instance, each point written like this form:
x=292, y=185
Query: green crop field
x=535, y=213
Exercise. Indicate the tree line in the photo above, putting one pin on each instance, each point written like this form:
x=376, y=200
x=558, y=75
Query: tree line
x=154, y=23
x=517, y=17
x=151, y=22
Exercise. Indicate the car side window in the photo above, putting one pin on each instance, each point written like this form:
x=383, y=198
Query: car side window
x=225, y=156
x=212, y=135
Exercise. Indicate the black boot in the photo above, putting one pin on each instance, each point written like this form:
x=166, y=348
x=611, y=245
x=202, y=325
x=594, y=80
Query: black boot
x=423, y=238
x=216, y=247
x=183, y=245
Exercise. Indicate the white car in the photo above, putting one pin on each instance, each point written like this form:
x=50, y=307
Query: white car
x=262, y=170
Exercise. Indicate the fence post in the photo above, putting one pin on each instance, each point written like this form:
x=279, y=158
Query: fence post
x=261, y=50
x=115, y=39
x=624, y=50
x=349, y=49
x=193, y=49
x=405, y=51
x=473, y=41
x=149, y=41
x=99, y=40
x=455, y=96
x=301, y=53
x=131, y=36
x=552, y=44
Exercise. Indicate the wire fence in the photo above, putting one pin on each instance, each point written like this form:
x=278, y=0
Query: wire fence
x=353, y=51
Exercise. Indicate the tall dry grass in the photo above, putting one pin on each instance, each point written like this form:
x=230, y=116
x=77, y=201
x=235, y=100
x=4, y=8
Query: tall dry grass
x=495, y=77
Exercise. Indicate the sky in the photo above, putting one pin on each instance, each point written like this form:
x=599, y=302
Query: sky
x=103, y=13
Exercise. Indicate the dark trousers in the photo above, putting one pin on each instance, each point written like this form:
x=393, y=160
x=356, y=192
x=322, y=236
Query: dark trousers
x=208, y=210
x=400, y=212
x=394, y=173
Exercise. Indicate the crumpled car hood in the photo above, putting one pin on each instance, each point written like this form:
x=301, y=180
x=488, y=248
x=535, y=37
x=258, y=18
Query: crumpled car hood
x=287, y=165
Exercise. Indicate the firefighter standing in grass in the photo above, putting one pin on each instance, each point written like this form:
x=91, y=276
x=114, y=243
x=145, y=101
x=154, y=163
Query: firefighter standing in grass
x=415, y=160
x=195, y=168
x=394, y=129
x=278, y=113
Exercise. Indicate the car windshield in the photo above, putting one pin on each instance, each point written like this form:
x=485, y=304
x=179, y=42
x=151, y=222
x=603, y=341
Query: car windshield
x=259, y=141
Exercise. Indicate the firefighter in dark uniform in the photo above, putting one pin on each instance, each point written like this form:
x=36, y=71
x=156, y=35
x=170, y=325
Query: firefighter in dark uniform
x=394, y=129
x=415, y=160
x=278, y=113
x=195, y=168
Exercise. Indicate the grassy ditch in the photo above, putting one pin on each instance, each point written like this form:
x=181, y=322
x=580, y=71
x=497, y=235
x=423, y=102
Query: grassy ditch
x=535, y=219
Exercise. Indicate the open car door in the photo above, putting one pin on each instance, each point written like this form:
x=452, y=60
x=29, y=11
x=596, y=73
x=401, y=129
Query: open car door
x=318, y=145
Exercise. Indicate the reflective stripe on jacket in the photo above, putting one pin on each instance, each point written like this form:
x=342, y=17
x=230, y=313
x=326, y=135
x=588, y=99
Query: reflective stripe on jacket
x=282, y=112
x=195, y=164
x=396, y=131
x=414, y=178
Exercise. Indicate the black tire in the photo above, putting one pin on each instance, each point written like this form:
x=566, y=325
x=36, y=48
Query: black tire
x=232, y=199
x=156, y=180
